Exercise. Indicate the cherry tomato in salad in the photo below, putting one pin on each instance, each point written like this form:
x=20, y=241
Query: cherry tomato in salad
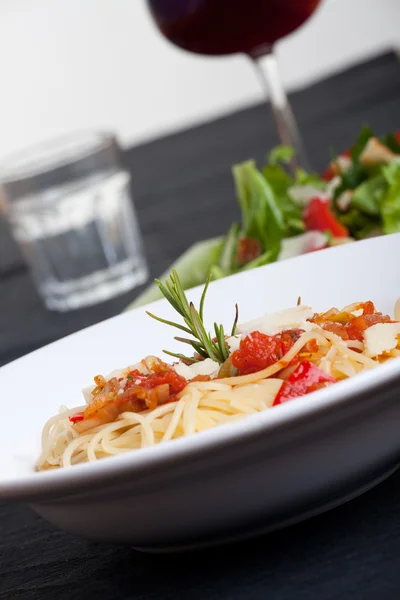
x=319, y=217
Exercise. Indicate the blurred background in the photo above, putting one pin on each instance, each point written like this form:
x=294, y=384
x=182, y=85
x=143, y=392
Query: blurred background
x=181, y=119
x=101, y=64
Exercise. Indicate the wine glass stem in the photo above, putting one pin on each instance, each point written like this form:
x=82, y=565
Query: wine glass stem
x=268, y=72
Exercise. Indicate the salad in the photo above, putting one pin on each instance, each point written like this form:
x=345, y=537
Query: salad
x=285, y=215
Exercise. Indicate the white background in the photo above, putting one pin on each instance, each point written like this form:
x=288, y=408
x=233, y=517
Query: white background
x=71, y=64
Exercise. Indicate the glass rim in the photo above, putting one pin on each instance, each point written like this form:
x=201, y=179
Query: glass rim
x=54, y=153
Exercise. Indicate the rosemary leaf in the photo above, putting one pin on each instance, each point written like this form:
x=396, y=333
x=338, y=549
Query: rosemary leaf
x=181, y=327
x=197, y=347
x=180, y=292
x=201, y=333
x=189, y=359
x=184, y=340
x=203, y=297
x=235, y=322
x=168, y=296
x=221, y=344
x=202, y=343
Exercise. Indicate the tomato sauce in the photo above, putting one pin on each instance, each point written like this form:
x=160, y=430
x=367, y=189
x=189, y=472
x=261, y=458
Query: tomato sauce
x=348, y=326
x=170, y=376
x=258, y=350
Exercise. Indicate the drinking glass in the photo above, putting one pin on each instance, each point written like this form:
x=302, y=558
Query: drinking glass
x=70, y=209
x=220, y=27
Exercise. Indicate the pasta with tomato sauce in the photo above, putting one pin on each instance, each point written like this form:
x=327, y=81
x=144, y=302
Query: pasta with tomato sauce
x=266, y=362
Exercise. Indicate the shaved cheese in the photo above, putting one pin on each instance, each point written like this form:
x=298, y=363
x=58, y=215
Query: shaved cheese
x=397, y=310
x=344, y=200
x=333, y=184
x=203, y=367
x=302, y=194
x=380, y=338
x=118, y=373
x=341, y=164
x=233, y=343
x=375, y=153
x=87, y=393
x=301, y=244
x=275, y=322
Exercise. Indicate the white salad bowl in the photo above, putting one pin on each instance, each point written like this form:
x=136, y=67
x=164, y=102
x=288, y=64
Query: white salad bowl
x=263, y=472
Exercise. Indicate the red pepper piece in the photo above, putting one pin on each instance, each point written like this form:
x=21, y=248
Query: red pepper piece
x=76, y=417
x=305, y=378
x=331, y=171
x=319, y=217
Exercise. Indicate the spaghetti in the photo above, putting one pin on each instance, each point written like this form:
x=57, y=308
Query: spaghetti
x=269, y=361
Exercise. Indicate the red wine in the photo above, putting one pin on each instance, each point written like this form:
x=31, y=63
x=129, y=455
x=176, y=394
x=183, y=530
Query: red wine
x=218, y=27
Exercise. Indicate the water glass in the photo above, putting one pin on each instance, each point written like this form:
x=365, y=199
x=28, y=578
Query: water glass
x=70, y=209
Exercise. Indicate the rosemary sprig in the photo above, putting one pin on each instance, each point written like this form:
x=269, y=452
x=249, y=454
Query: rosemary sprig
x=206, y=347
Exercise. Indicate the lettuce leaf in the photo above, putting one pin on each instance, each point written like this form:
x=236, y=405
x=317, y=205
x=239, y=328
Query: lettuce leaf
x=367, y=197
x=227, y=258
x=359, y=224
x=280, y=154
x=365, y=134
x=194, y=266
x=392, y=142
x=390, y=210
x=262, y=217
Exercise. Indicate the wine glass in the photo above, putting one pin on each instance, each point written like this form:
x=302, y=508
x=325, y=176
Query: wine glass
x=220, y=27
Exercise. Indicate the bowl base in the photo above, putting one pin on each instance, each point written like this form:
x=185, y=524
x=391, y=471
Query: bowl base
x=258, y=528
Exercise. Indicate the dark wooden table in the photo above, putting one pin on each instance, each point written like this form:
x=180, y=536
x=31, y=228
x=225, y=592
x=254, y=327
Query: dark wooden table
x=183, y=192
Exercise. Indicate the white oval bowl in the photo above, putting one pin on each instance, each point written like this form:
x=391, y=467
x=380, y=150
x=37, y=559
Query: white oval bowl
x=260, y=473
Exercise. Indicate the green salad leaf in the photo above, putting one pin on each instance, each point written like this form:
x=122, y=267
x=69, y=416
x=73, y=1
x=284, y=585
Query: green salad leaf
x=363, y=137
x=367, y=197
x=392, y=142
x=280, y=154
x=193, y=266
x=391, y=200
x=227, y=257
x=360, y=224
x=262, y=217
x=269, y=213
x=312, y=179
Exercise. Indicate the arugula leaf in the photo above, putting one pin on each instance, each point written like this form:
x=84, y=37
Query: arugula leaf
x=391, y=202
x=392, y=142
x=365, y=134
x=350, y=180
x=367, y=197
x=356, y=174
x=360, y=225
x=311, y=179
x=283, y=154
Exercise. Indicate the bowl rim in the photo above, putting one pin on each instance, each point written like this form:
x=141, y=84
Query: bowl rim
x=344, y=396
